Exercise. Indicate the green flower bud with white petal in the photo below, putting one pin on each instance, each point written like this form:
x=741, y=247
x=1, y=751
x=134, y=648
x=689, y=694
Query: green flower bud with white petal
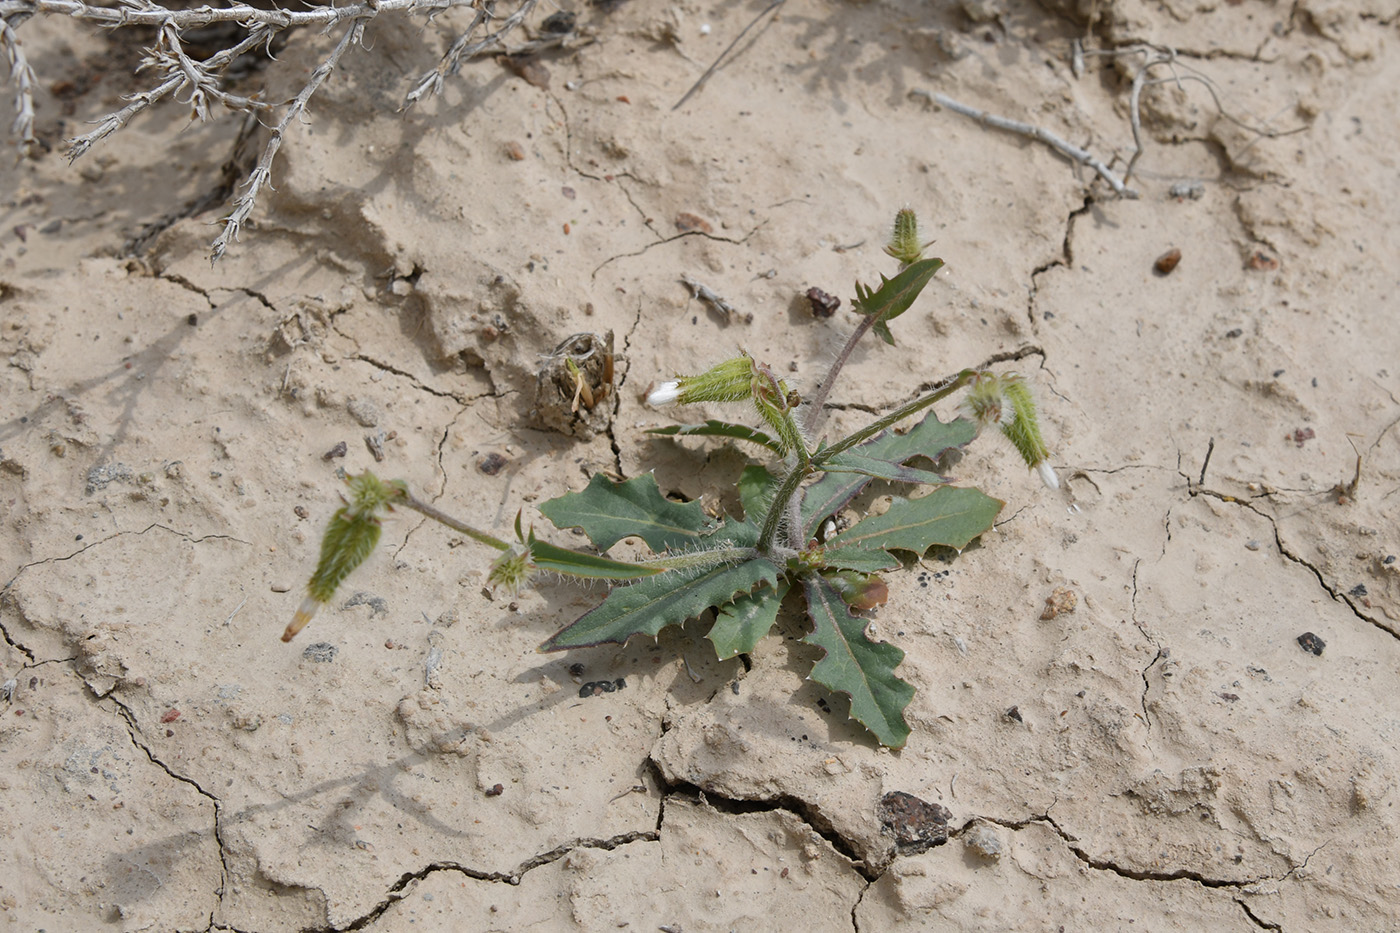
x=730, y=381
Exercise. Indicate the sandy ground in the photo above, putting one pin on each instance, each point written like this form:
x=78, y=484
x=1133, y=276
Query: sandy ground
x=1176, y=760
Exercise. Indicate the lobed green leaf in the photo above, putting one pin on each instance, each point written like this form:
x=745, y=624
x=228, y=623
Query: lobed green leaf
x=608, y=512
x=856, y=666
x=741, y=625
x=648, y=606
x=929, y=438
x=950, y=516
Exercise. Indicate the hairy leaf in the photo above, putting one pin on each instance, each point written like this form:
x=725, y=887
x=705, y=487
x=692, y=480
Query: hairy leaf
x=560, y=560
x=756, y=491
x=856, y=666
x=929, y=438
x=894, y=296
x=742, y=624
x=863, y=559
x=609, y=512
x=648, y=606
x=852, y=462
x=950, y=515
x=713, y=428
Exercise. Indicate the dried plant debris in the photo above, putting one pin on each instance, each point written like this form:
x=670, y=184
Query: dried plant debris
x=574, y=387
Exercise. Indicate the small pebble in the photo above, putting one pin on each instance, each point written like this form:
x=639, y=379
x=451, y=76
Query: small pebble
x=321, y=652
x=1310, y=642
x=1252, y=545
x=1167, y=261
x=983, y=840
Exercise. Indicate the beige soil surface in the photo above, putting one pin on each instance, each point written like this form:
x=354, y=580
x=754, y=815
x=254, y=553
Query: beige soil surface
x=1176, y=760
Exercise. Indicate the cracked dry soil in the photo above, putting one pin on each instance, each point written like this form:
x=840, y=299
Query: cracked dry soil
x=1165, y=756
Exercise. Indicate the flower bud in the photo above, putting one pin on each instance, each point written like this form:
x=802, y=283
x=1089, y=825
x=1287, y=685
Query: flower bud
x=904, y=242
x=730, y=381
x=1005, y=400
x=513, y=570
x=350, y=537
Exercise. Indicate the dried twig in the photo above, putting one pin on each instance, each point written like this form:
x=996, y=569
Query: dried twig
x=1068, y=150
x=23, y=77
x=710, y=297
x=200, y=83
x=727, y=49
x=243, y=205
x=1161, y=56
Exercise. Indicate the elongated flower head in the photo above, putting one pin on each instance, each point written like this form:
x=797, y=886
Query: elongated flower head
x=350, y=537
x=1005, y=400
x=904, y=243
x=730, y=381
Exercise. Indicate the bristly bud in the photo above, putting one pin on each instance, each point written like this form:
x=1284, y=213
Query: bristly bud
x=904, y=242
x=730, y=381
x=775, y=404
x=513, y=570
x=1006, y=401
x=985, y=403
x=350, y=537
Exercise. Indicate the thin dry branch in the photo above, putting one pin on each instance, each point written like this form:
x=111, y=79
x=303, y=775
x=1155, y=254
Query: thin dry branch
x=1159, y=57
x=24, y=80
x=1039, y=134
x=243, y=205
x=200, y=84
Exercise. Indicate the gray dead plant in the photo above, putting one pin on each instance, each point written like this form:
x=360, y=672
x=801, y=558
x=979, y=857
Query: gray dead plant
x=202, y=84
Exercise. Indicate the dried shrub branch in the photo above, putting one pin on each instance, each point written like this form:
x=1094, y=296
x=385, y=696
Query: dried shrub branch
x=202, y=84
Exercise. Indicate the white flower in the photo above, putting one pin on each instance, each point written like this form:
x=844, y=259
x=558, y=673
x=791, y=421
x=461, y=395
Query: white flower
x=664, y=394
x=1047, y=474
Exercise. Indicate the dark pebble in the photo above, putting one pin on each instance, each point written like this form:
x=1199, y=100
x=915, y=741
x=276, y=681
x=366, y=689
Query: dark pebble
x=1358, y=590
x=339, y=450
x=916, y=824
x=1310, y=642
x=1014, y=713
x=192, y=320
x=491, y=464
x=1234, y=332
x=1167, y=262
x=495, y=790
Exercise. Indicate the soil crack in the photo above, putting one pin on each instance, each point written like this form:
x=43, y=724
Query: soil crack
x=399, y=889
x=134, y=731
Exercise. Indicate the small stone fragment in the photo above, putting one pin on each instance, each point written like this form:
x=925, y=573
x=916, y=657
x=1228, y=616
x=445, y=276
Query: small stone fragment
x=1262, y=262
x=1310, y=642
x=983, y=840
x=495, y=790
x=687, y=222
x=1167, y=261
x=365, y=411
x=322, y=652
x=515, y=152
x=916, y=824
x=1061, y=600
x=823, y=305
x=491, y=464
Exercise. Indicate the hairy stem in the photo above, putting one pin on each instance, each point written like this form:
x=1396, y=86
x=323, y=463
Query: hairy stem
x=942, y=390
x=437, y=515
x=814, y=410
x=787, y=491
x=721, y=555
